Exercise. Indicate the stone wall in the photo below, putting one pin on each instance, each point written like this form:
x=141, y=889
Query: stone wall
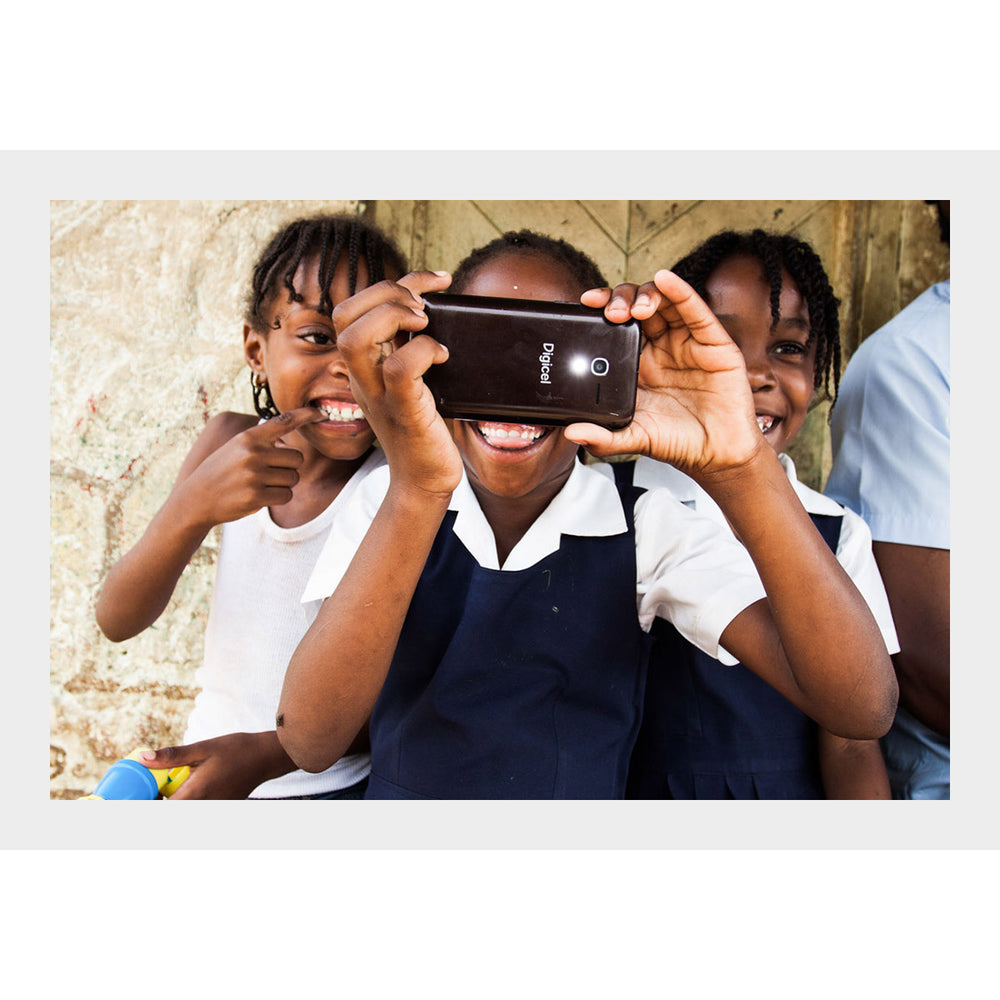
x=146, y=307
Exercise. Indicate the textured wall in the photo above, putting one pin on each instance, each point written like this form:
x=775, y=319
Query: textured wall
x=146, y=320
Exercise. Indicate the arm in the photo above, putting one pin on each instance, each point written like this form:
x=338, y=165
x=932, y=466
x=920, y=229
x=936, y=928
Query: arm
x=337, y=671
x=852, y=769
x=891, y=439
x=233, y=469
x=232, y=766
x=918, y=583
x=814, y=638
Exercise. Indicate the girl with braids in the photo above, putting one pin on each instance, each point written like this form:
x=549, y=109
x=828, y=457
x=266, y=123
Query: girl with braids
x=496, y=612
x=275, y=481
x=711, y=733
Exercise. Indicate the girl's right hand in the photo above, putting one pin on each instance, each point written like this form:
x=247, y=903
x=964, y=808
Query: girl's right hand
x=232, y=470
x=386, y=378
x=253, y=469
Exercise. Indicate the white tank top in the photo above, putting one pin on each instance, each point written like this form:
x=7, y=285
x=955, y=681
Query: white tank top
x=254, y=625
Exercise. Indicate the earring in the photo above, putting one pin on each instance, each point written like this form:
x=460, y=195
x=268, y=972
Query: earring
x=259, y=387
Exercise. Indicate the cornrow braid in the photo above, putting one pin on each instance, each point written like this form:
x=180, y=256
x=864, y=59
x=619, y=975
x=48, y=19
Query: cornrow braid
x=353, y=247
x=324, y=263
x=327, y=237
x=776, y=251
x=328, y=265
x=289, y=276
x=527, y=243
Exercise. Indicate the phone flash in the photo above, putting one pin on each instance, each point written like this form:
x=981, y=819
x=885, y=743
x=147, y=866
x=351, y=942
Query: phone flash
x=578, y=364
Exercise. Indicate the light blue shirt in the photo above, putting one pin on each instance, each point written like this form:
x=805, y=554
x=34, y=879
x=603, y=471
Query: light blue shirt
x=891, y=427
x=891, y=435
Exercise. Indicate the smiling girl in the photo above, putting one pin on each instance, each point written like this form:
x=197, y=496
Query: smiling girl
x=275, y=481
x=711, y=733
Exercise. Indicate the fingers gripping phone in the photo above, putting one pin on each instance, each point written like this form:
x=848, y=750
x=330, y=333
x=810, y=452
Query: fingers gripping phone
x=525, y=361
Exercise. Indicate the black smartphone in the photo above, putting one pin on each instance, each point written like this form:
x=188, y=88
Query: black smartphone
x=525, y=361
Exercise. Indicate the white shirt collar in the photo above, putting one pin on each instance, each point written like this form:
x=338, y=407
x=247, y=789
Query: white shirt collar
x=587, y=505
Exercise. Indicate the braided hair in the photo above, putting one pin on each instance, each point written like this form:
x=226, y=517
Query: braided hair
x=776, y=251
x=526, y=243
x=326, y=237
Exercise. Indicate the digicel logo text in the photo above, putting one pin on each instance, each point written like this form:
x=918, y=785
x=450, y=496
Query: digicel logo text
x=546, y=359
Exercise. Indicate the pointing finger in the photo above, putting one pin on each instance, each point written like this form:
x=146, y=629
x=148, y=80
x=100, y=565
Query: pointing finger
x=284, y=423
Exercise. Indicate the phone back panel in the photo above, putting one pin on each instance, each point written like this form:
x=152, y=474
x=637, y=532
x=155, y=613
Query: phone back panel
x=524, y=361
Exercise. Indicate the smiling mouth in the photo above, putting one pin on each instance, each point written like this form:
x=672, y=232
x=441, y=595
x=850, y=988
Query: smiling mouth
x=339, y=411
x=510, y=437
x=765, y=422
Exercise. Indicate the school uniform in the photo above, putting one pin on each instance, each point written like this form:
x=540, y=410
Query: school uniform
x=723, y=733
x=526, y=680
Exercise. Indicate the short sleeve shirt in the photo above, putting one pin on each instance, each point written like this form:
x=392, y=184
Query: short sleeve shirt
x=854, y=545
x=891, y=427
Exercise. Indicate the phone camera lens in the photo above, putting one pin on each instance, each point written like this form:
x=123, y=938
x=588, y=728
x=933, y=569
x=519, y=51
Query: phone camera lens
x=599, y=366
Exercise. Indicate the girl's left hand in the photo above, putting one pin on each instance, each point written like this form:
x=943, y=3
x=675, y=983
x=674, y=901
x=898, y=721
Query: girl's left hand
x=694, y=407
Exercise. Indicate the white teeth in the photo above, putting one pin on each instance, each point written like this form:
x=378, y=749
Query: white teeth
x=344, y=414
x=764, y=423
x=502, y=434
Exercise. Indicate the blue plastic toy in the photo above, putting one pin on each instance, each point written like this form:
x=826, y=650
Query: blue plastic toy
x=128, y=779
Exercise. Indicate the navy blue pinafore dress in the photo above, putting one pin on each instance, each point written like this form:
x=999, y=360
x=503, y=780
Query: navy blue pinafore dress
x=522, y=684
x=712, y=731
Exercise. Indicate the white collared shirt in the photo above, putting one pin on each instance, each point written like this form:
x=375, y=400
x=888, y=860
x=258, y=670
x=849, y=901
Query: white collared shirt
x=689, y=570
x=584, y=507
x=854, y=548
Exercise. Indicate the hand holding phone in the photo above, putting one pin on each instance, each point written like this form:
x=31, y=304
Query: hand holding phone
x=695, y=408
x=525, y=361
